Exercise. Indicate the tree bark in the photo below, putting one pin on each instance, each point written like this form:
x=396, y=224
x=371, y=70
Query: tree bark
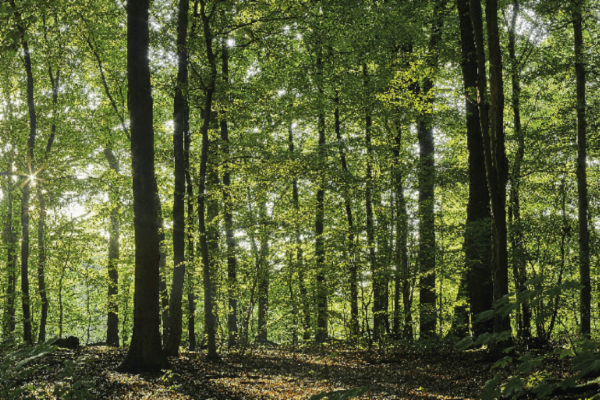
x=494, y=149
x=190, y=242
x=298, y=245
x=25, y=298
x=209, y=317
x=180, y=125
x=112, y=325
x=478, y=231
x=228, y=217
x=353, y=267
x=322, y=315
x=427, y=295
x=263, y=275
x=517, y=240
x=145, y=352
x=403, y=273
x=10, y=239
x=582, y=195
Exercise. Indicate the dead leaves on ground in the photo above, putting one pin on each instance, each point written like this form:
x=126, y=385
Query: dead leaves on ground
x=273, y=374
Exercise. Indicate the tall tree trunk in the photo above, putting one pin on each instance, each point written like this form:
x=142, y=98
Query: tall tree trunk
x=322, y=317
x=212, y=215
x=180, y=125
x=42, y=216
x=427, y=296
x=112, y=325
x=10, y=239
x=478, y=232
x=228, y=217
x=299, y=253
x=582, y=195
x=145, y=352
x=518, y=251
x=403, y=273
x=375, y=271
x=27, y=337
x=494, y=149
x=263, y=274
x=353, y=267
x=209, y=317
x=190, y=242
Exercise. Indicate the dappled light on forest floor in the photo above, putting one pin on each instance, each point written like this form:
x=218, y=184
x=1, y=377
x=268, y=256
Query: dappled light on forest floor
x=269, y=374
x=405, y=372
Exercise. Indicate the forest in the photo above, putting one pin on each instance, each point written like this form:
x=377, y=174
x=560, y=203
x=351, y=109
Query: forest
x=273, y=199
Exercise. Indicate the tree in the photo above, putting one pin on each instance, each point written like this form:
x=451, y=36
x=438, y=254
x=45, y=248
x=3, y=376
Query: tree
x=492, y=127
x=477, y=244
x=582, y=192
x=181, y=125
x=145, y=352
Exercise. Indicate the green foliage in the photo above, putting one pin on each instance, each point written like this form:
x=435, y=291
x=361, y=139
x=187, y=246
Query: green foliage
x=16, y=365
x=75, y=388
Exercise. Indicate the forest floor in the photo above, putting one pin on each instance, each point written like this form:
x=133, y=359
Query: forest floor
x=409, y=372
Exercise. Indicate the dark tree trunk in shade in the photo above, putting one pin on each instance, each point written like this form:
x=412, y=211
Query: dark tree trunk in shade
x=112, y=328
x=162, y=268
x=582, y=195
x=403, y=273
x=352, y=264
x=298, y=246
x=477, y=246
x=190, y=242
x=263, y=275
x=10, y=240
x=212, y=214
x=25, y=298
x=209, y=316
x=42, y=215
x=145, y=351
x=518, y=251
x=180, y=126
x=322, y=315
x=228, y=218
x=494, y=149
x=427, y=268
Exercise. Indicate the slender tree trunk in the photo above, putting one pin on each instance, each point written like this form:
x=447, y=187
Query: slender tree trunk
x=180, y=124
x=519, y=272
x=582, y=195
x=353, y=267
x=190, y=242
x=145, y=352
x=403, y=273
x=478, y=232
x=263, y=275
x=10, y=239
x=112, y=325
x=299, y=253
x=27, y=336
x=322, y=315
x=494, y=149
x=212, y=214
x=42, y=217
x=209, y=318
x=427, y=295
x=228, y=217
x=375, y=271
